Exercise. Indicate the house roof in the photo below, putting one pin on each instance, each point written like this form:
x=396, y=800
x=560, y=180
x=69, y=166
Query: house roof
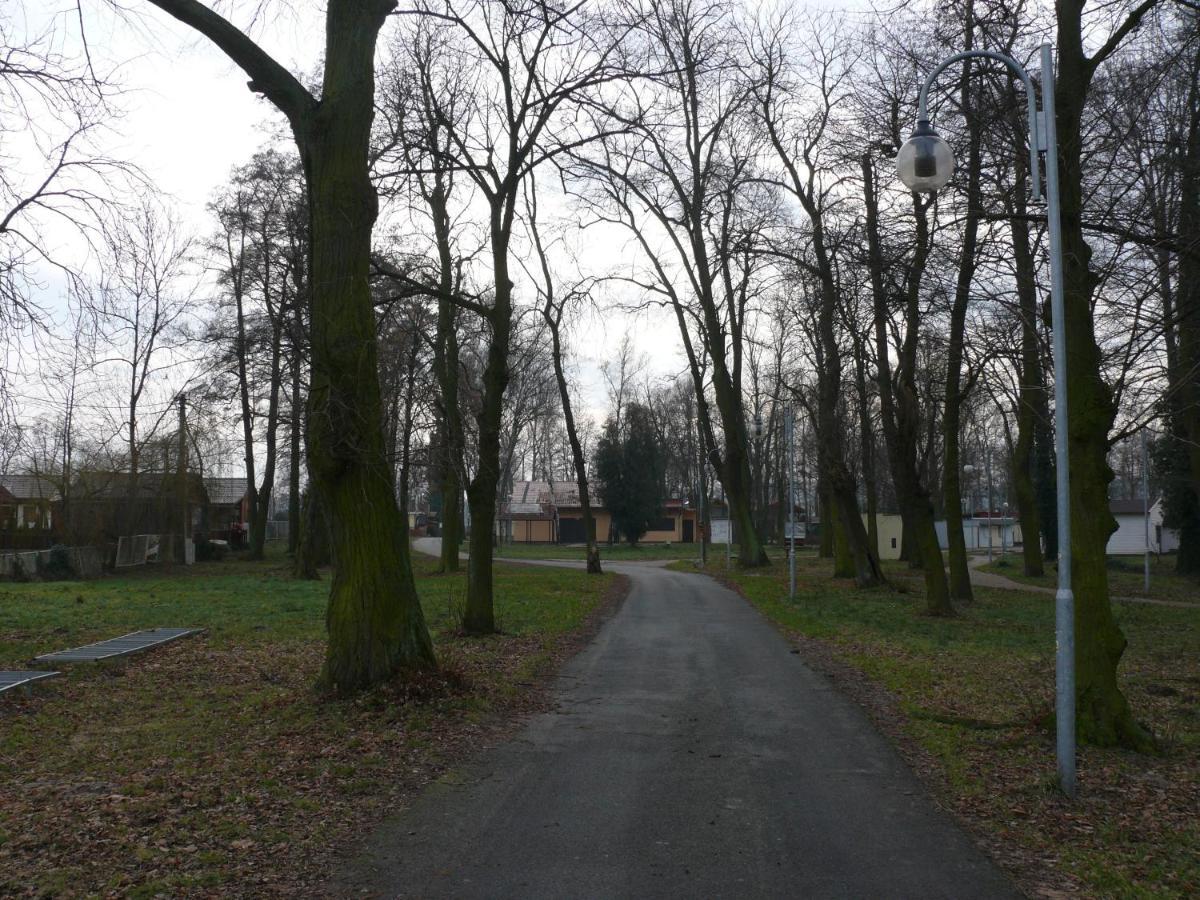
x=526, y=510
x=225, y=491
x=29, y=487
x=97, y=485
x=1123, y=506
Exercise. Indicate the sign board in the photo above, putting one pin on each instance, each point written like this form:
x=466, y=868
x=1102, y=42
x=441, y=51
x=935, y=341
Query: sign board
x=720, y=531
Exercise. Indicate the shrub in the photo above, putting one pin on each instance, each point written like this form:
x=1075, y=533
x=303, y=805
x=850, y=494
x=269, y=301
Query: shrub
x=58, y=566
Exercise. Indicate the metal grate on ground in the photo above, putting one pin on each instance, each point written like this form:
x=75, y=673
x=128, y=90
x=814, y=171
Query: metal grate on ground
x=16, y=679
x=124, y=645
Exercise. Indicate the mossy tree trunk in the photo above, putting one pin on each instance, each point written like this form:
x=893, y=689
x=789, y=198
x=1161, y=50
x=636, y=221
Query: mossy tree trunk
x=960, y=574
x=1103, y=713
x=479, y=616
x=1186, y=386
x=899, y=403
x=1032, y=406
x=376, y=627
x=446, y=370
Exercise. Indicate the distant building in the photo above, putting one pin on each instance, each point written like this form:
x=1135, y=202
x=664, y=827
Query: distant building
x=228, y=508
x=27, y=502
x=1130, y=537
x=541, y=512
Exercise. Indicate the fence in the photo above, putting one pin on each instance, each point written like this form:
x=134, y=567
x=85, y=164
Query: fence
x=24, y=539
x=85, y=562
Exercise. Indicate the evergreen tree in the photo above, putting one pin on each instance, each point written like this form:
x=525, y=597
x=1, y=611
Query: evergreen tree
x=629, y=473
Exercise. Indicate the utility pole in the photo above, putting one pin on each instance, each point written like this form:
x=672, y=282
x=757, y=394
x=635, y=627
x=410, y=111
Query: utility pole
x=702, y=528
x=184, y=519
x=1146, y=503
x=989, y=478
x=791, y=439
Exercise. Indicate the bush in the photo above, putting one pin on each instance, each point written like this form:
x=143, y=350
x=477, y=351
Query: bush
x=213, y=551
x=58, y=566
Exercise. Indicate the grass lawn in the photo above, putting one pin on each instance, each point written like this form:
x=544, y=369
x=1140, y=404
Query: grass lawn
x=617, y=552
x=971, y=696
x=1126, y=577
x=211, y=765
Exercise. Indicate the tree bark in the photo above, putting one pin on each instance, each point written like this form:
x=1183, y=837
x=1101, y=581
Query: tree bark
x=1186, y=374
x=1103, y=713
x=479, y=615
x=898, y=400
x=960, y=575
x=1031, y=400
x=374, y=619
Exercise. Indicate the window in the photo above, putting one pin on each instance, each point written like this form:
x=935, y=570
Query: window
x=667, y=524
x=893, y=543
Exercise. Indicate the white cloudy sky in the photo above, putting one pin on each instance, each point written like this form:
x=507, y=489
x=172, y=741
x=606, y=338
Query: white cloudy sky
x=189, y=118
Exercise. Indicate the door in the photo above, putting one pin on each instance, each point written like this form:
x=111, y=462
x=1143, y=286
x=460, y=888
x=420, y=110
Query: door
x=689, y=531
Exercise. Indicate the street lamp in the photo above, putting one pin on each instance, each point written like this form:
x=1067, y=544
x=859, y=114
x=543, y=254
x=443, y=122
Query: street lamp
x=969, y=470
x=925, y=163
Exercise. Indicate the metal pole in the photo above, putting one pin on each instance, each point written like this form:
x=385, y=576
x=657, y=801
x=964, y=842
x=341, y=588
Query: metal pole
x=1146, y=503
x=1064, y=598
x=989, y=478
x=791, y=427
x=1043, y=137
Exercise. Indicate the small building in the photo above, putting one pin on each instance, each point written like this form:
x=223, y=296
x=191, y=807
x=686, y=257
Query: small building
x=228, y=508
x=891, y=533
x=1130, y=537
x=541, y=512
x=27, y=502
x=106, y=506
x=1005, y=531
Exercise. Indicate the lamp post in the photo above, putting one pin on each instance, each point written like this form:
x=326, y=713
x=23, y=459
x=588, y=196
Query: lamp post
x=790, y=424
x=988, y=459
x=969, y=470
x=1004, y=529
x=925, y=163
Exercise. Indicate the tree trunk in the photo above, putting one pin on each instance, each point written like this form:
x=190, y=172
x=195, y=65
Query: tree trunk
x=1031, y=400
x=577, y=457
x=1103, y=713
x=960, y=575
x=445, y=366
x=479, y=616
x=1186, y=417
x=295, y=451
x=312, y=538
x=376, y=626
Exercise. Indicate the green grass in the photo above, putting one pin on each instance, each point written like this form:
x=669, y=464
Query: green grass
x=1126, y=577
x=150, y=774
x=975, y=692
x=617, y=552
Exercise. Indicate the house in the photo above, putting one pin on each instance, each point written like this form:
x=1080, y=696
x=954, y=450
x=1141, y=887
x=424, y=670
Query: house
x=108, y=505
x=550, y=513
x=228, y=508
x=1005, y=531
x=1130, y=537
x=27, y=502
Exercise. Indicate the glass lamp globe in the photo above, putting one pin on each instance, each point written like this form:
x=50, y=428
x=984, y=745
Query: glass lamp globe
x=925, y=161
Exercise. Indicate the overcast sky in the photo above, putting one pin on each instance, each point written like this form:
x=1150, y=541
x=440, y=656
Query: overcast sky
x=189, y=119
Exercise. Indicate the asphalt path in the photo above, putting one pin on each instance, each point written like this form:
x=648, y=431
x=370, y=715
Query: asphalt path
x=690, y=753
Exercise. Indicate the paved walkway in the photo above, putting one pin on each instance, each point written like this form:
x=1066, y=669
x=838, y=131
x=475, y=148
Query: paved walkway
x=690, y=753
x=992, y=580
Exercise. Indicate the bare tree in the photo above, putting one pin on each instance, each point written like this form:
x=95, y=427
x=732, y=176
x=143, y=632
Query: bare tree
x=554, y=307
x=142, y=301
x=530, y=63
x=376, y=627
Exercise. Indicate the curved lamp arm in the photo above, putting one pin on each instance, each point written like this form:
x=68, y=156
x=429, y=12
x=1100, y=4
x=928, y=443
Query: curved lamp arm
x=1035, y=143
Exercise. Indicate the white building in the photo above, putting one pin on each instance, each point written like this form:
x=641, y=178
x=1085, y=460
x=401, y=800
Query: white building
x=1130, y=537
